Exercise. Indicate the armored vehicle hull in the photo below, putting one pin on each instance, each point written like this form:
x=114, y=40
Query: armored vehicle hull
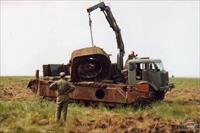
x=90, y=93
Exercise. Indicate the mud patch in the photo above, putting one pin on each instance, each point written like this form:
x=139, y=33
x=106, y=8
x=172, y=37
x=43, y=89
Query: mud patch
x=132, y=125
x=186, y=95
x=14, y=90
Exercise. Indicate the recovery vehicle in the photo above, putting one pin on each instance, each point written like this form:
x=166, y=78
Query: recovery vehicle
x=98, y=80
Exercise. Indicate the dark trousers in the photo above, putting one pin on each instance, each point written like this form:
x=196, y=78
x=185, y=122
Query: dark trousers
x=61, y=106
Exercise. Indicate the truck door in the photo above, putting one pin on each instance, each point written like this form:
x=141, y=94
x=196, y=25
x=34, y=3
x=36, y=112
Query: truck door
x=154, y=75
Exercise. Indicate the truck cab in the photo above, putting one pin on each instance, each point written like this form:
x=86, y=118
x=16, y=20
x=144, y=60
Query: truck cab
x=151, y=71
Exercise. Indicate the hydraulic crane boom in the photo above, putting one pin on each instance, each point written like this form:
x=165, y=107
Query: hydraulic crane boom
x=111, y=20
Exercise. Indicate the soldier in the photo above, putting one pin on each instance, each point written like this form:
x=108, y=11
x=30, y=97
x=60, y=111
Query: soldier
x=64, y=88
x=130, y=57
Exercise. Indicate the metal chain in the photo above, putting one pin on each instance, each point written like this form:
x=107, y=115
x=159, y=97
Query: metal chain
x=90, y=24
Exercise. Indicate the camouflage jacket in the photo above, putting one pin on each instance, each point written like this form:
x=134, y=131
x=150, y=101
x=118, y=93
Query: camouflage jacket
x=63, y=87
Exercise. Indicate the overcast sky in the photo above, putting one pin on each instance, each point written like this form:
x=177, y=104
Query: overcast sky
x=36, y=33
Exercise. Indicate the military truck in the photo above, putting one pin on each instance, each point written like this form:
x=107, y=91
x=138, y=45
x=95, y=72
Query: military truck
x=98, y=80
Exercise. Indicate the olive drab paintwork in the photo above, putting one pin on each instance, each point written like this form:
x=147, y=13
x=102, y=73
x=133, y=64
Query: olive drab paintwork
x=151, y=71
x=63, y=88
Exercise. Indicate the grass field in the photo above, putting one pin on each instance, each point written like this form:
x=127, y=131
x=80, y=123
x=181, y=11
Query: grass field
x=22, y=112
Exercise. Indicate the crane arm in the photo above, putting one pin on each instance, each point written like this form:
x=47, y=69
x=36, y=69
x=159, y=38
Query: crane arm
x=112, y=22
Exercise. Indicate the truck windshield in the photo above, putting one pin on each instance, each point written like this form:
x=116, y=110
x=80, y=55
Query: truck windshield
x=159, y=65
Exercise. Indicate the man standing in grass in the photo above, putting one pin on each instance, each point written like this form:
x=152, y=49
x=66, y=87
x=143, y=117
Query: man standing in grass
x=63, y=87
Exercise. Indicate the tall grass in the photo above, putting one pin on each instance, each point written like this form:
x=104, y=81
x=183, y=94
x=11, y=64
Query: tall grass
x=185, y=83
x=23, y=116
x=16, y=116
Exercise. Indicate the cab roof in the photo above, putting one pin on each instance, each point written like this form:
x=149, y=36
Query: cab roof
x=144, y=60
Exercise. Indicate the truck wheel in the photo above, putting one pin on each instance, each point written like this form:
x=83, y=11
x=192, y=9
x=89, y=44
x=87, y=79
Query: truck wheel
x=160, y=95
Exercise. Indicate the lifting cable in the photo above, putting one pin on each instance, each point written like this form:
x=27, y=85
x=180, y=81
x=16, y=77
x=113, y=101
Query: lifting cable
x=90, y=24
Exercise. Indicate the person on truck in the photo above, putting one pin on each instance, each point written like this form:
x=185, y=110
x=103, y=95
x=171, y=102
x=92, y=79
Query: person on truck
x=131, y=56
x=63, y=87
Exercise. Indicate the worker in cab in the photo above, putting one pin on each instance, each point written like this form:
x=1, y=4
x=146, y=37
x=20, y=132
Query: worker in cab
x=63, y=88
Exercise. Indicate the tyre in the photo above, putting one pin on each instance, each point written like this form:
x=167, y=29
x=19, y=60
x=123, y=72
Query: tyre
x=160, y=95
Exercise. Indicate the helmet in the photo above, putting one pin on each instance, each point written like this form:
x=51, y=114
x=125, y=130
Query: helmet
x=62, y=74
